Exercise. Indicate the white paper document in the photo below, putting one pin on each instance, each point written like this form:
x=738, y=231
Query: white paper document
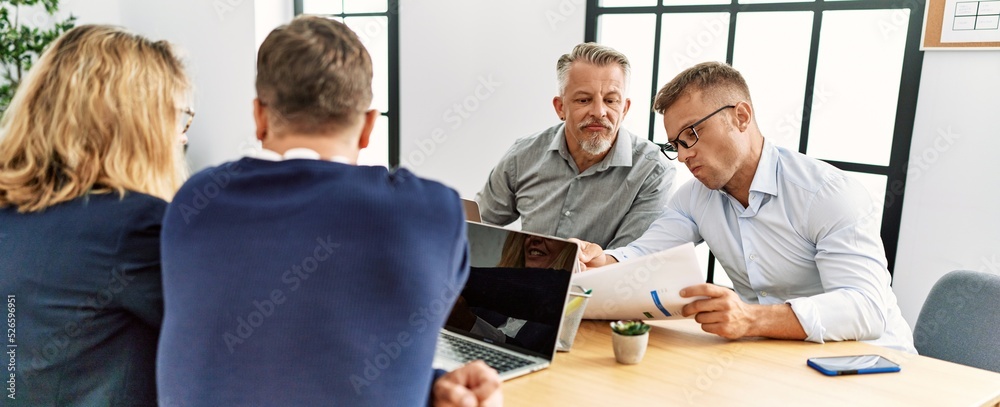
x=646, y=287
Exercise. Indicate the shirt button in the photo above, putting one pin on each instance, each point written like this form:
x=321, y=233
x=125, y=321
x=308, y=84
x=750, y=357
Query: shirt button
x=753, y=257
x=763, y=293
x=567, y=213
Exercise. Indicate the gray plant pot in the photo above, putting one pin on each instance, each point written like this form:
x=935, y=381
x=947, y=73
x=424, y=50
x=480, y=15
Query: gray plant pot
x=629, y=349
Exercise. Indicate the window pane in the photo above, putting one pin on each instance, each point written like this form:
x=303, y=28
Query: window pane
x=772, y=53
x=875, y=184
x=365, y=6
x=772, y=1
x=374, y=34
x=377, y=152
x=857, y=84
x=687, y=39
x=632, y=35
x=695, y=2
x=627, y=3
x=322, y=6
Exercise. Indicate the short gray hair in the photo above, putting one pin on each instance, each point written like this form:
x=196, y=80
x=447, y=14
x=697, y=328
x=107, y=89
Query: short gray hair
x=592, y=53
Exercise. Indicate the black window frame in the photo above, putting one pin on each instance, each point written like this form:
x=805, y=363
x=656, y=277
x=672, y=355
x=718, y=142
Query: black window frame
x=906, y=103
x=392, y=113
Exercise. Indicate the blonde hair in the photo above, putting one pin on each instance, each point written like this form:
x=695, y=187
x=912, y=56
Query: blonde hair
x=97, y=113
x=513, y=254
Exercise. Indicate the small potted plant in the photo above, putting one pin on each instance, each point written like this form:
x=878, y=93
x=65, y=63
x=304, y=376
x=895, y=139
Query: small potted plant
x=629, y=339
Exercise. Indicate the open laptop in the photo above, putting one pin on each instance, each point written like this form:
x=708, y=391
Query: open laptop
x=510, y=311
x=471, y=210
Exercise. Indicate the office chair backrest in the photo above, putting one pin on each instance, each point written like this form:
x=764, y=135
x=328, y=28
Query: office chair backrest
x=959, y=320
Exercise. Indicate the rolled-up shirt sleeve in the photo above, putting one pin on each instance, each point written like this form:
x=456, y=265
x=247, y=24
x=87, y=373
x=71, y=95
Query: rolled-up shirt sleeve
x=844, y=223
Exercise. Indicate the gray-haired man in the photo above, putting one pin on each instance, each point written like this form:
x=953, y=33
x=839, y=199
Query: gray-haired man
x=586, y=178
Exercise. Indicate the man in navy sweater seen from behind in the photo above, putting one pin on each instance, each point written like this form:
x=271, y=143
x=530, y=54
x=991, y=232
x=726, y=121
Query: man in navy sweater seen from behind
x=297, y=278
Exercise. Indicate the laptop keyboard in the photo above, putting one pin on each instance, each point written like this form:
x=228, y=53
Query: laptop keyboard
x=467, y=351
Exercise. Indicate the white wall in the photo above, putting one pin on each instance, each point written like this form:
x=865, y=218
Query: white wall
x=220, y=48
x=950, y=220
x=474, y=77
x=218, y=40
x=93, y=11
x=269, y=14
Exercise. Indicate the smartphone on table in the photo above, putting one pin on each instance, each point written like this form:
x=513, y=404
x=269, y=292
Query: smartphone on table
x=855, y=364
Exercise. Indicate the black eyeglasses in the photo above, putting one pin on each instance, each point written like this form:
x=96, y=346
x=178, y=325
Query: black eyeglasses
x=687, y=138
x=190, y=118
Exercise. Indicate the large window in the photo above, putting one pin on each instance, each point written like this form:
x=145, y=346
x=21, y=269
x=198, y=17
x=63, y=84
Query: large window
x=834, y=79
x=377, y=24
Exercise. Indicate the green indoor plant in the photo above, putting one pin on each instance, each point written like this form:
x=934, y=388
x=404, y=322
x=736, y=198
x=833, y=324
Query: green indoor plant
x=23, y=39
x=629, y=340
x=630, y=327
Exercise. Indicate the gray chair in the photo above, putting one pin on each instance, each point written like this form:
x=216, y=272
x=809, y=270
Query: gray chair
x=959, y=320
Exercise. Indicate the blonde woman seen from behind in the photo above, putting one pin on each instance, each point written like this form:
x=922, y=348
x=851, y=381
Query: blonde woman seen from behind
x=90, y=151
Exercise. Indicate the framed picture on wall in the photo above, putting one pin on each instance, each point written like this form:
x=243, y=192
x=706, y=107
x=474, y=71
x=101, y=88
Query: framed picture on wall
x=961, y=25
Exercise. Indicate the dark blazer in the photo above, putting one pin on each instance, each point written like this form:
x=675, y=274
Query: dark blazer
x=84, y=281
x=306, y=283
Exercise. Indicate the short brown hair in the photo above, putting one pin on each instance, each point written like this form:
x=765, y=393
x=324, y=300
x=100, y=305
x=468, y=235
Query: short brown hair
x=314, y=74
x=720, y=82
x=594, y=54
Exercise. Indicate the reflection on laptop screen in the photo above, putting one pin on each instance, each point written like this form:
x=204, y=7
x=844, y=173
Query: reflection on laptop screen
x=471, y=210
x=516, y=290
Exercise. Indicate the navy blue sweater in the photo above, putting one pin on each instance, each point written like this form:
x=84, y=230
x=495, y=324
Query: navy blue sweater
x=306, y=283
x=83, y=281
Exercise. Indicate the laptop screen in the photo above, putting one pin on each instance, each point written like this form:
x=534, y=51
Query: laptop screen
x=516, y=290
x=471, y=210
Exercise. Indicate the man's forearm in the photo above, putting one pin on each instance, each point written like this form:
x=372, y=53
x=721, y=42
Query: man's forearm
x=776, y=321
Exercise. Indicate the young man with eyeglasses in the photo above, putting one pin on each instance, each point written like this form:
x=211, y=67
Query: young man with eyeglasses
x=798, y=237
x=588, y=177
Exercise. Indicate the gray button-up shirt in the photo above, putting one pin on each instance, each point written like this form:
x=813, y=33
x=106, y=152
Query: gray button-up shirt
x=611, y=203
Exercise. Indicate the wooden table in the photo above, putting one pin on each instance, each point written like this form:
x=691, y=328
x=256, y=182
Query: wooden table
x=686, y=366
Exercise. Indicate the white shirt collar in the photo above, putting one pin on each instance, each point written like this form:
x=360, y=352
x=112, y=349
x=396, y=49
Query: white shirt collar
x=298, y=153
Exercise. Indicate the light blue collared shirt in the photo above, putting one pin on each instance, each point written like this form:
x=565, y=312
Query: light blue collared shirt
x=809, y=237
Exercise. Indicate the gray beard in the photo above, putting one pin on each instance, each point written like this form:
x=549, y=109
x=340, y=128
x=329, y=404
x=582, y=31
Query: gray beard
x=595, y=146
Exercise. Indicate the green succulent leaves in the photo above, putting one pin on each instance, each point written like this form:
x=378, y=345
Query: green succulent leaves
x=630, y=328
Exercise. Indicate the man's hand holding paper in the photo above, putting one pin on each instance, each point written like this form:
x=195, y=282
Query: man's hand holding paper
x=647, y=287
x=591, y=255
